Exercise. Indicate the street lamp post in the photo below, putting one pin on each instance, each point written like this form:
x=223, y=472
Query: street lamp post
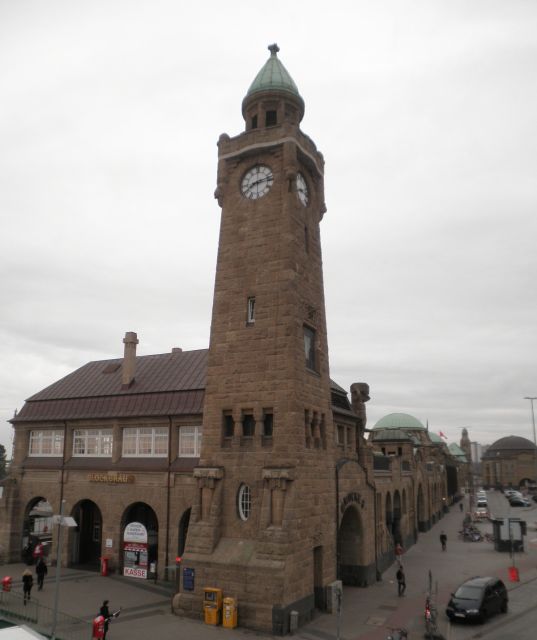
x=61, y=521
x=531, y=399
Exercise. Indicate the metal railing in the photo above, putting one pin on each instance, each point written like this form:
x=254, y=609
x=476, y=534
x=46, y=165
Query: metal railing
x=39, y=617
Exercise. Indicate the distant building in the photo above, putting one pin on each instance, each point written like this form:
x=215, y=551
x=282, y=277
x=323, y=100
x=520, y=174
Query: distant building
x=510, y=462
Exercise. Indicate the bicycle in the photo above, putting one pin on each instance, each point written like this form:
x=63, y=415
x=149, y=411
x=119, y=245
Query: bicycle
x=397, y=633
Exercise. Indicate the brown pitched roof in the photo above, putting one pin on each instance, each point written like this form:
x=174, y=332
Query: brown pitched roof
x=164, y=384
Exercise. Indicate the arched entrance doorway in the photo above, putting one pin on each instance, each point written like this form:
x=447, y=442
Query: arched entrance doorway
x=183, y=532
x=349, y=547
x=36, y=528
x=147, y=554
x=86, y=538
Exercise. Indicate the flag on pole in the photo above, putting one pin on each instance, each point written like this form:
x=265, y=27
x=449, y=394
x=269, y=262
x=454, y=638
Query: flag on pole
x=442, y=435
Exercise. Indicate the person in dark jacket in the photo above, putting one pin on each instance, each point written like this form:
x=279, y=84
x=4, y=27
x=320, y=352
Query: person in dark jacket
x=27, y=584
x=401, y=581
x=105, y=612
x=443, y=540
x=41, y=571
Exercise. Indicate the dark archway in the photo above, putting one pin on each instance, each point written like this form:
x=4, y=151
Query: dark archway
x=36, y=528
x=86, y=538
x=396, y=524
x=183, y=532
x=349, y=547
x=420, y=510
x=144, y=514
x=389, y=513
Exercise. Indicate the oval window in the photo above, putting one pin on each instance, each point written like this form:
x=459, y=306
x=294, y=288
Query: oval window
x=244, y=501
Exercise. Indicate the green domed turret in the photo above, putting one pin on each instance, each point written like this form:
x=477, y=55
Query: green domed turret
x=273, y=76
x=273, y=97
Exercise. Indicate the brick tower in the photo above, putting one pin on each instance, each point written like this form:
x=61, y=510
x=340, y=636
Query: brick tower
x=263, y=528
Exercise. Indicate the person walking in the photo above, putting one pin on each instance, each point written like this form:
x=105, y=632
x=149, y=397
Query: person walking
x=401, y=581
x=105, y=612
x=398, y=553
x=461, y=506
x=41, y=571
x=27, y=584
x=443, y=540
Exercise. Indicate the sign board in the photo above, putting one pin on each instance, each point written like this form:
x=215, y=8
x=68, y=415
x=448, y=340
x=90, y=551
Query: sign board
x=135, y=572
x=135, y=532
x=188, y=579
x=109, y=543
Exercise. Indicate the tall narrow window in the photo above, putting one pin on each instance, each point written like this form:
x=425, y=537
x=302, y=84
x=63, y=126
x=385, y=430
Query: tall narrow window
x=254, y=122
x=248, y=425
x=309, y=348
x=306, y=239
x=268, y=423
x=271, y=118
x=229, y=425
x=250, y=310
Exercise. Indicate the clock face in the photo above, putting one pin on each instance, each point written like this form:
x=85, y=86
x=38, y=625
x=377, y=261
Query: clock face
x=302, y=189
x=257, y=182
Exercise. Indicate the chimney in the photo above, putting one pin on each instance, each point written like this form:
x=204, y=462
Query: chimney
x=129, y=359
x=177, y=350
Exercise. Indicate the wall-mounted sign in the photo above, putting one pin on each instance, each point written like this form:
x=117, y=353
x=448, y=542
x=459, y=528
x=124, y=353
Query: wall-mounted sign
x=116, y=478
x=188, y=579
x=135, y=550
x=109, y=543
x=135, y=532
x=353, y=496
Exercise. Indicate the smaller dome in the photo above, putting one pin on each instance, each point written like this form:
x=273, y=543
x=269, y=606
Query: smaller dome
x=273, y=76
x=399, y=421
x=464, y=431
x=512, y=443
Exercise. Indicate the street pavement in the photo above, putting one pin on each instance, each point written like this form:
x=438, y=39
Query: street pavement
x=367, y=613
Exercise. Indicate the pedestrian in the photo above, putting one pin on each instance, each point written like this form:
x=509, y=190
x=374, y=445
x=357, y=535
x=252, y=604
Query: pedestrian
x=398, y=552
x=105, y=612
x=443, y=540
x=41, y=571
x=461, y=506
x=401, y=581
x=27, y=584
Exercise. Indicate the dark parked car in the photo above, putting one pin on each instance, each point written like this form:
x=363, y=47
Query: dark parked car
x=476, y=599
x=519, y=502
x=534, y=498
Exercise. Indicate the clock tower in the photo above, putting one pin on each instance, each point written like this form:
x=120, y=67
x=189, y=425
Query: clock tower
x=263, y=527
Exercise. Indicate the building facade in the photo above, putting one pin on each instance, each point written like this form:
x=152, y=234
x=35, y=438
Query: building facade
x=246, y=459
x=510, y=462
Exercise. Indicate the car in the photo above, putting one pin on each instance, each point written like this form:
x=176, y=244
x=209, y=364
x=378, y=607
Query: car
x=481, y=512
x=519, y=502
x=482, y=503
x=477, y=599
x=534, y=498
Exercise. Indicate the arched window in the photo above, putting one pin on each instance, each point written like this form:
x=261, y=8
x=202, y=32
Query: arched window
x=244, y=501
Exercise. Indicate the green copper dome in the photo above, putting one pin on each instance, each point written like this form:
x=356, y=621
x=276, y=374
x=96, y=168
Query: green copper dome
x=273, y=76
x=399, y=421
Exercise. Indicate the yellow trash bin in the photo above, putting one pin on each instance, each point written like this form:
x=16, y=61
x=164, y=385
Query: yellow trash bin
x=230, y=613
x=212, y=605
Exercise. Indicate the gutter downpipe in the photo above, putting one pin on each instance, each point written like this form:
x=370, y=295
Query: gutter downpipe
x=167, y=553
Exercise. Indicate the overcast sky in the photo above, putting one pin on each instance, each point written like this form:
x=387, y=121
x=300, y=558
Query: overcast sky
x=425, y=112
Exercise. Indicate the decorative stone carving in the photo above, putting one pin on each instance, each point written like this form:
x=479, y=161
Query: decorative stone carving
x=359, y=396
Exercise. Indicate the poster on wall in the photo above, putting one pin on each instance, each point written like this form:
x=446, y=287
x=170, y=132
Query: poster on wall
x=135, y=550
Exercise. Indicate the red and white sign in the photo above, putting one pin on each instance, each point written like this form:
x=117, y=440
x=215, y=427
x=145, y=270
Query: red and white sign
x=135, y=572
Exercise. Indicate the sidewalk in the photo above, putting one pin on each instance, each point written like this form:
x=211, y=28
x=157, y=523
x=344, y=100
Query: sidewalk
x=146, y=608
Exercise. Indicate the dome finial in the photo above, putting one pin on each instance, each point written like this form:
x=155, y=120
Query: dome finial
x=273, y=48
